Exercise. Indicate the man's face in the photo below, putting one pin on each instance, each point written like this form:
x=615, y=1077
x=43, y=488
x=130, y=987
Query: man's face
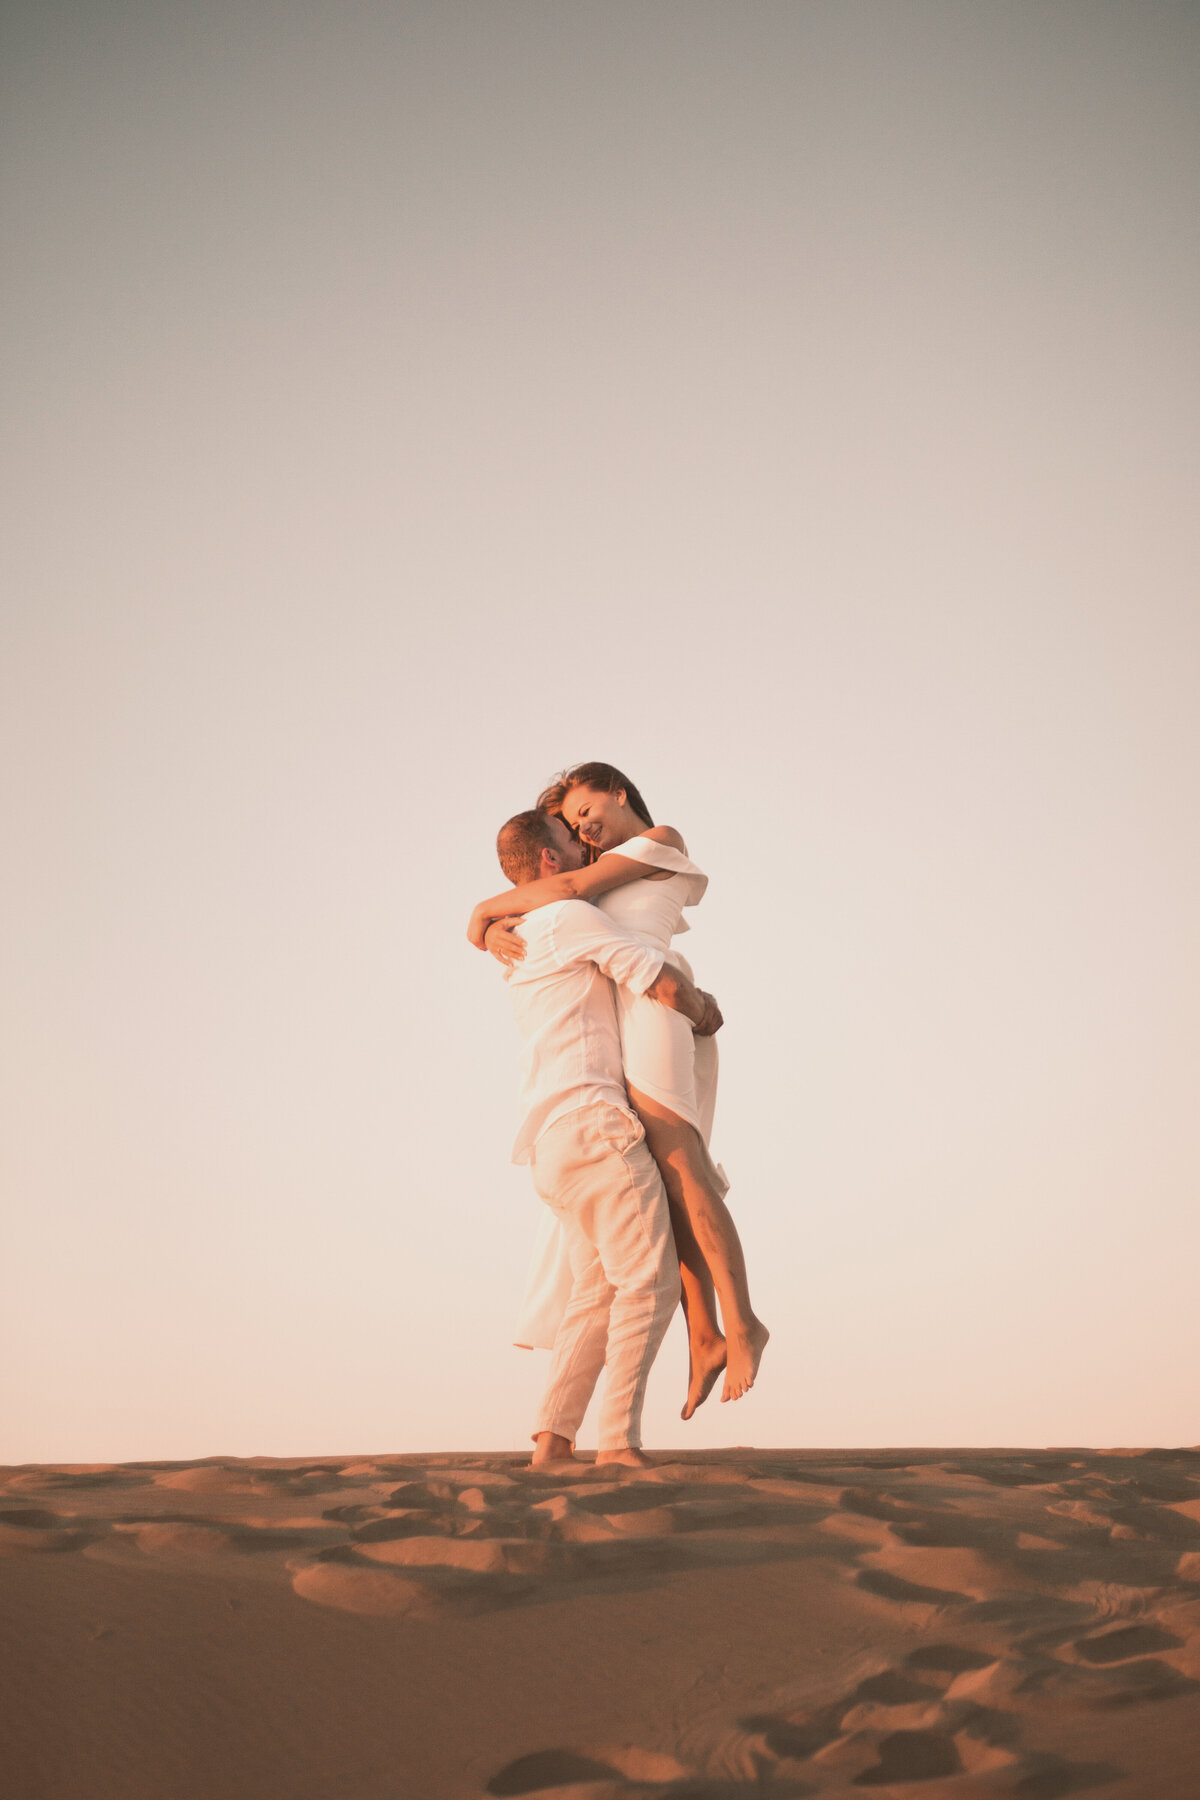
x=567, y=849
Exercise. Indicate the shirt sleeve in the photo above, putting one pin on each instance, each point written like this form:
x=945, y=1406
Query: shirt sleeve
x=584, y=934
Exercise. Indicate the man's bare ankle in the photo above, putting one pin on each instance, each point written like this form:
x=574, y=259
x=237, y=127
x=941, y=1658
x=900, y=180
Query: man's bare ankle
x=629, y=1457
x=549, y=1446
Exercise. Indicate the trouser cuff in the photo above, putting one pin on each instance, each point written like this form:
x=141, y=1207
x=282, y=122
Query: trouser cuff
x=567, y=1428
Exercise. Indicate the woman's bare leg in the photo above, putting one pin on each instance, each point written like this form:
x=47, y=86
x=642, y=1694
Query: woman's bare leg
x=693, y=1190
x=706, y=1340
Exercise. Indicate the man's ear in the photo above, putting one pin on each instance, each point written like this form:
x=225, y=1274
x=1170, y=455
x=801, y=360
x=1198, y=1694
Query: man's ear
x=550, y=861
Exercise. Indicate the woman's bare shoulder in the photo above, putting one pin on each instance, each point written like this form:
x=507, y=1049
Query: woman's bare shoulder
x=666, y=834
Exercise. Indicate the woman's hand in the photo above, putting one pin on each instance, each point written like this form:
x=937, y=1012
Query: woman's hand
x=477, y=929
x=503, y=942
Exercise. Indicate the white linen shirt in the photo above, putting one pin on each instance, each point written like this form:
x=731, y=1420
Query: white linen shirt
x=562, y=1000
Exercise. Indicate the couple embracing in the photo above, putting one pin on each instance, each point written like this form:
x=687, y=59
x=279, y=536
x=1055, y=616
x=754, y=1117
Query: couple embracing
x=619, y=1072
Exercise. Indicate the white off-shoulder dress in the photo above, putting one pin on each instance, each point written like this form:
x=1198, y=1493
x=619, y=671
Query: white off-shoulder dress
x=663, y=1057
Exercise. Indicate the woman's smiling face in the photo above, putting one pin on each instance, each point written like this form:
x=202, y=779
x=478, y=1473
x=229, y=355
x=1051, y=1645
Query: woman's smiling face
x=601, y=820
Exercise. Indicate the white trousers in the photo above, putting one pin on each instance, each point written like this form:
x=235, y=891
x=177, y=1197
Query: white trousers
x=593, y=1170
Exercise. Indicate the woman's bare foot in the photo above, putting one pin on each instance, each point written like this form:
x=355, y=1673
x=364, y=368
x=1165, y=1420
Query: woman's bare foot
x=548, y=1447
x=705, y=1362
x=743, y=1354
x=632, y=1459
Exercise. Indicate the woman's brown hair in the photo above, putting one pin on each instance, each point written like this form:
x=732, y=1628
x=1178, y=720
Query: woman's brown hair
x=598, y=775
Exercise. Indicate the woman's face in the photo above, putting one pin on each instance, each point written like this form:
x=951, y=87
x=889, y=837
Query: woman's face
x=602, y=820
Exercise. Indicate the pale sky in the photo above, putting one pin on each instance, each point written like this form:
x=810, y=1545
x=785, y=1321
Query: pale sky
x=794, y=404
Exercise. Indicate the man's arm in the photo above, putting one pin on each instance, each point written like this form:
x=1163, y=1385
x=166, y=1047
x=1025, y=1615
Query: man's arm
x=583, y=932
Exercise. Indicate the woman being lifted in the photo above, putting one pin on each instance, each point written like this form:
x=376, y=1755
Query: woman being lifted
x=642, y=878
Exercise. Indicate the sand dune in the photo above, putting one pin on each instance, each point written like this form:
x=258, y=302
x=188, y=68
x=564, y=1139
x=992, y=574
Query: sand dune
x=932, y=1623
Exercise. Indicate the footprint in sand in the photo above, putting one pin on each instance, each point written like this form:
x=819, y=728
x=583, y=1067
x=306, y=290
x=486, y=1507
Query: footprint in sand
x=544, y=1769
x=614, y=1513
x=190, y=1536
x=400, y=1525
x=905, y=1593
x=476, y=1500
x=347, y=1585
x=35, y=1530
x=1127, y=1641
x=892, y=1687
x=426, y=1496
x=596, y=1775
x=911, y=1756
x=1159, y=1524
x=356, y=1514
x=104, y=1476
x=178, y=1539
x=390, y=1569
x=874, y=1503
x=947, y=1659
x=479, y=1556
x=650, y=1522
x=1125, y=1684
x=209, y=1479
x=611, y=1501
x=895, y=1730
x=794, y=1737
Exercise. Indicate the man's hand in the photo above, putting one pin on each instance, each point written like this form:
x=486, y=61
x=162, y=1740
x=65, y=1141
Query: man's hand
x=503, y=942
x=672, y=988
x=712, y=1021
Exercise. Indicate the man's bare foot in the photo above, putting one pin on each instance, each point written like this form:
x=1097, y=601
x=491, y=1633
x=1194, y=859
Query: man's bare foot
x=705, y=1362
x=743, y=1354
x=632, y=1459
x=548, y=1447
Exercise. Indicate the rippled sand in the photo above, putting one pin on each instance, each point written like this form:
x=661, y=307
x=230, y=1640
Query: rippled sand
x=770, y=1623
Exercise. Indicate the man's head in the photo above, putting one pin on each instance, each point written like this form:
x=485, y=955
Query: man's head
x=532, y=844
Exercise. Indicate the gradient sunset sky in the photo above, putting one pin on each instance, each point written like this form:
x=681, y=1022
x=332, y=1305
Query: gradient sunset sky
x=794, y=404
